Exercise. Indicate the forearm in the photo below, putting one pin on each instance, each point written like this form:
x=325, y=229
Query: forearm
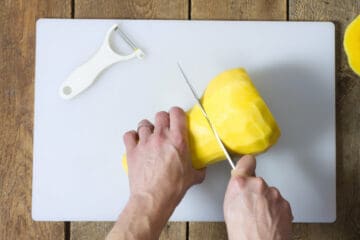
x=142, y=218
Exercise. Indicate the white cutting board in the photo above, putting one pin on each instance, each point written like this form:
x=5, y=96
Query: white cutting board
x=78, y=143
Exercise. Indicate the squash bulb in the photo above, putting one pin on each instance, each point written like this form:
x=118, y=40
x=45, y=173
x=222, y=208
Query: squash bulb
x=240, y=116
x=352, y=44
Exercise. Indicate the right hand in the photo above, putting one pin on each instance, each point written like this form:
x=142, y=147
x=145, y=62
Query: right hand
x=252, y=209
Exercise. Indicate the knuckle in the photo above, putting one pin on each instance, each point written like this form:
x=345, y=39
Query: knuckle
x=241, y=181
x=198, y=178
x=128, y=134
x=161, y=115
x=176, y=111
x=158, y=139
x=181, y=145
x=144, y=121
x=250, y=157
x=260, y=185
x=286, y=205
x=275, y=193
x=179, y=140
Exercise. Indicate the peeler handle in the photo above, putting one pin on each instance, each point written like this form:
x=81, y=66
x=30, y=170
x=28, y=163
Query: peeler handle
x=83, y=76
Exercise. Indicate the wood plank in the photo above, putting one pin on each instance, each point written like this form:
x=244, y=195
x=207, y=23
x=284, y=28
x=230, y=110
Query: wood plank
x=90, y=230
x=17, y=44
x=99, y=230
x=230, y=10
x=153, y=9
x=174, y=231
x=239, y=9
x=348, y=122
x=207, y=230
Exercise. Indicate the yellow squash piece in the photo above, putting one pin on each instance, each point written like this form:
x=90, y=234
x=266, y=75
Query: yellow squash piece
x=352, y=44
x=240, y=116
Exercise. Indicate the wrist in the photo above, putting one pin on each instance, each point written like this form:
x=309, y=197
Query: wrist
x=163, y=200
x=142, y=218
x=151, y=205
x=156, y=207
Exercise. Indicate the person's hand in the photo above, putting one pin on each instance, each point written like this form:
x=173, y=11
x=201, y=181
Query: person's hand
x=159, y=158
x=252, y=209
x=160, y=172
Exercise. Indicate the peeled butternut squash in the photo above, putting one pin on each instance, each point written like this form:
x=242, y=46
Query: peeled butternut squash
x=352, y=44
x=239, y=114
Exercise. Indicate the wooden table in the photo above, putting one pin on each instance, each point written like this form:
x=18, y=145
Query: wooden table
x=17, y=43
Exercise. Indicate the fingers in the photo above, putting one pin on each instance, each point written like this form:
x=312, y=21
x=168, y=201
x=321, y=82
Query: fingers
x=244, y=176
x=273, y=194
x=175, y=120
x=145, y=129
x=130, y=139
x=245, y=167
x=256, y=185
x=178, y=121
x=162, y=122
x=287, y=207
x=199, y=175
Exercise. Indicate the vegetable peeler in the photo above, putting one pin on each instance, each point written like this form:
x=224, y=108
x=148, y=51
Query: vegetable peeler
x=85, y=75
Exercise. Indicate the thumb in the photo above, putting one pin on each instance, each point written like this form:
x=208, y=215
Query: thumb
x=245, y=167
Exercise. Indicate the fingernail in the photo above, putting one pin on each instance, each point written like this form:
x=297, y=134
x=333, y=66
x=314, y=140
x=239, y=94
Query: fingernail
x=236, y=173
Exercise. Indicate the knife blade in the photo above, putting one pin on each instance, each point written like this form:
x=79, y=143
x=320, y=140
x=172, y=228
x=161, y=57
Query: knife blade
x=212, y=127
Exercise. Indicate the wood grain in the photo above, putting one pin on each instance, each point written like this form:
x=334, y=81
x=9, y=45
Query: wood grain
x=17, y=44
x=347, y=225
x=231, y=10
x=207, y=230
x=239, y=9
x=174, y=231
x=89, y=230
x=99, y=230
x=153, y=9
x=148, y=9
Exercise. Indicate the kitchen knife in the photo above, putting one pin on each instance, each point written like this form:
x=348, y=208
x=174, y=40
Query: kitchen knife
x=218, y=139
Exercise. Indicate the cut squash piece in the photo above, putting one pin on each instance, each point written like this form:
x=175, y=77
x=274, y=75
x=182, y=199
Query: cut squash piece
x=352, y=44
x=240, y=116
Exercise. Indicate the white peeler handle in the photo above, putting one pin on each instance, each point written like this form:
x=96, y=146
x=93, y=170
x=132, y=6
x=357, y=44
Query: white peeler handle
x=83, y=76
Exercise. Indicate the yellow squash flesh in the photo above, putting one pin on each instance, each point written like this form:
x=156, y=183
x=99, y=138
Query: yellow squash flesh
x=239, y=114
x=352, y=44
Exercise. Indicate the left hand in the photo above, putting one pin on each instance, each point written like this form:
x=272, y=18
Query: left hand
x=159, y=159
x=160, y=172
